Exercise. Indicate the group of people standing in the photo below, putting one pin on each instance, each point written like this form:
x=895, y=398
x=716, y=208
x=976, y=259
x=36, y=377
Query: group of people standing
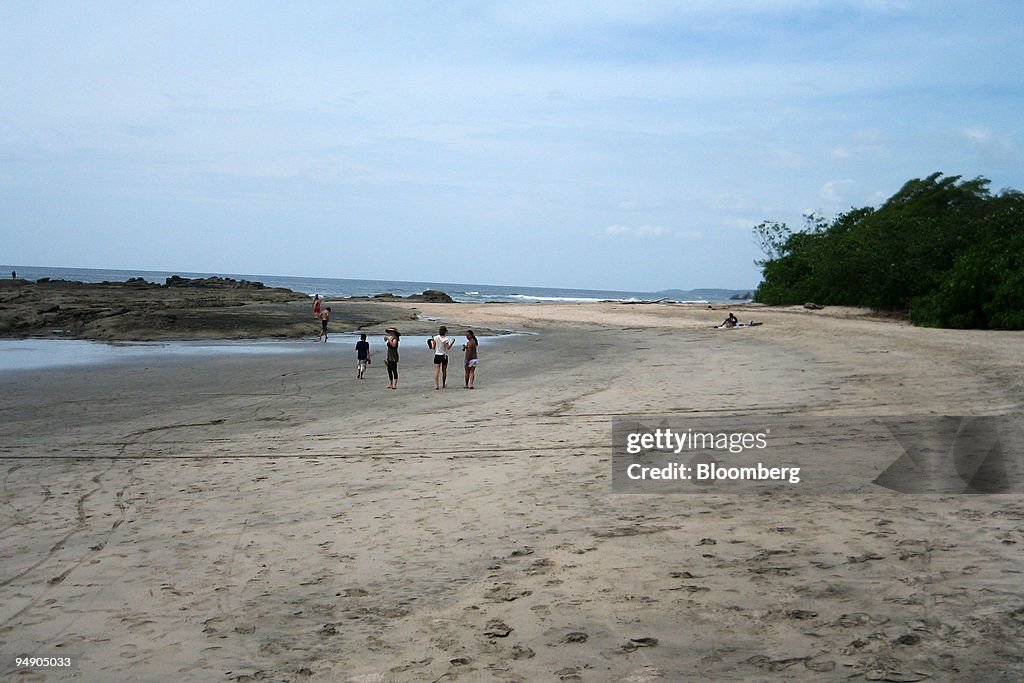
x=441, y=344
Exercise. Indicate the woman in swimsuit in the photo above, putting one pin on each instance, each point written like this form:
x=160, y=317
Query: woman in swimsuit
x=471, y=358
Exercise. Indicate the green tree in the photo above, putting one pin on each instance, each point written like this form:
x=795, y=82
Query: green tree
x=943, y=249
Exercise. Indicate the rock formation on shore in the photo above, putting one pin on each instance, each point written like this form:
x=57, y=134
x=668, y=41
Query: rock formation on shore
x=138, y=309
x=187, y=308
x=429, y=296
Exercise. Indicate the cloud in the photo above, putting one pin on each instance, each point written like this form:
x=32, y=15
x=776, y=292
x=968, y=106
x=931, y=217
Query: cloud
x=637, y=231
x=980, y=136
x=649, y=231
x=837, y=191
x=990, y=146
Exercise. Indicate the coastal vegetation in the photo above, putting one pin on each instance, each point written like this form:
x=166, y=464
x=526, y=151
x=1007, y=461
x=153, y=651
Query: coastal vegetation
x=945, y=251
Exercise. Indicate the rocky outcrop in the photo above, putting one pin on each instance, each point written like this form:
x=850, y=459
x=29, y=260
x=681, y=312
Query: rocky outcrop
x=212, y=282
x=138, y=309
x=429, y=296
x=434, y=296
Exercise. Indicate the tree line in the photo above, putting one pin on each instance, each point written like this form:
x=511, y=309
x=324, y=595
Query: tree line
x=943, y=250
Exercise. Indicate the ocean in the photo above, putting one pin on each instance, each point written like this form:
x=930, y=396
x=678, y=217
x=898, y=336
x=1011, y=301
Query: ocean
x=344, y=287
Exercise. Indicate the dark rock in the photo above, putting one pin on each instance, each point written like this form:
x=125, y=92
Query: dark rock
x=213, y=282
x=435, y=296
x=810, y=305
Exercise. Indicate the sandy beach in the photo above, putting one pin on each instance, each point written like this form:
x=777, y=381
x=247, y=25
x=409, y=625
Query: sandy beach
x=248, y=518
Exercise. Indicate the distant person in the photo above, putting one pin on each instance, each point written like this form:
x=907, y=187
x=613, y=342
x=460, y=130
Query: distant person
x=391, y=340
x=471, y=358
x=14, y=275
x=362, y=355
x=325, y=315
x=316, y=307
x=442, y=344
x=731, y=321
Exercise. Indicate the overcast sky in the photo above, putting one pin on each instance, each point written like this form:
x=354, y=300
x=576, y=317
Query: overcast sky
x=596, y=144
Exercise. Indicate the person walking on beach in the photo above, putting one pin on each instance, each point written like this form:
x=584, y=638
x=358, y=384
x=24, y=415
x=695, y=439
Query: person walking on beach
x=392, y=360
x=316, y=307
x=362, y=355
x=471, y=358
x=325, y=315
x=441, y=346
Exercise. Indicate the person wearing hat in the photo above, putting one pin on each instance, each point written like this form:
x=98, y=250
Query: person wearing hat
x=392, y=359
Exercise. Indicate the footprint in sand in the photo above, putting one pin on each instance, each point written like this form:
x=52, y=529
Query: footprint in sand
x=522, y=652
x=496, y=628
x=636, y=643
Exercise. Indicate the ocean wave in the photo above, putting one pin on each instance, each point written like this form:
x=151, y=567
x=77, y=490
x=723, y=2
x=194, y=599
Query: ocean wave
x=560, y=299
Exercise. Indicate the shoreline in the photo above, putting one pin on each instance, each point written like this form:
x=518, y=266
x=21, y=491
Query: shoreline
x=221, y=308
x=37, y=354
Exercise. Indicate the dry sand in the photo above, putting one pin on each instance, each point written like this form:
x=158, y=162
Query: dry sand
x=272, y=518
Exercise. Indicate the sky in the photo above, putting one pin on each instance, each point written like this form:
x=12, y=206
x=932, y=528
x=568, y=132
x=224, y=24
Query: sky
x=597, y=144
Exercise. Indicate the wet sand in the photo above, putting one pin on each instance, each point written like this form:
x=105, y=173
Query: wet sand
x=273, y=518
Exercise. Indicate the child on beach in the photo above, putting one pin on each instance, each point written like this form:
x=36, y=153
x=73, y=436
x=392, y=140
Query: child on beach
x=325, y=315
x=441, y=346
x=362, y=355
x=392, y=360
x=471, y=358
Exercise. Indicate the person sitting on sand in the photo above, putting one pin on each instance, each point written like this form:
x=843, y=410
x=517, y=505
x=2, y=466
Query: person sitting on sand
x=325, y=315
x=392, y=360
x=362, y=355
x=441, y=346
x=471, y=358
x=732, y=323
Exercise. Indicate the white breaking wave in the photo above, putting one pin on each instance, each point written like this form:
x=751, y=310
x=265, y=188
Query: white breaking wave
x=563, y=299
